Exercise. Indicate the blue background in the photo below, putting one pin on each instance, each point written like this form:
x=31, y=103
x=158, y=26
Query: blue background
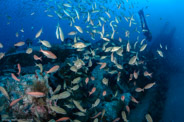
x=166, y=19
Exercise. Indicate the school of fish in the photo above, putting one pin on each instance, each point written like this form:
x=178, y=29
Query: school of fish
x=113, y=56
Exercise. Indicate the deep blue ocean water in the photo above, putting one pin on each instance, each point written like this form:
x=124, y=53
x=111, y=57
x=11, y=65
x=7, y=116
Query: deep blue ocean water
x=165, y=22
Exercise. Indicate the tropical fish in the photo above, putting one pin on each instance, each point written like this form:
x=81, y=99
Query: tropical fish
x=58, y=109
x=22, y=30
x=90, y=63
x=139, y=89
x=48, y=54
x=75, y=39
x=74, y=69
x=79, y=29
x=64, y=95
x=76, y=80
x=143, y=41
x=49, y=15
x=45, y=43
x=148, y=118
x=32, y=13
x=108, y=14
x=18, y=44
x=143, y=47
x=79, y=114
x=53, y=69
x=132, y=60
x=40, y=66
x=19, y=69
x=1, y=45
x=2, y=55
x=77, y=13
x=29, y=50
x=76, y=120
x=136, y=74
x=123, y=98
x=55, y=97
x=103, y=31
x=131, y=77
x=88, y=18
x=74, y=88
x=108, y=49
x=134, y=100
x=37, y=58
x=67, y=14
x=104, y=93
x=148, y=86
x=116, y=20
x=127, y=109
x=128, y=47
x=103, y=65
x=72, y=33
x=98, y=114
x=63, y=119
x=160, y=53
x=61, y=35
x=87, y=80
x=119, y=75
x=116, y=120
x=105, y=81
x=103, y=113
x=4, y=92
x=58, y=88
x=135, y=44
x=77, y=104
x=118, y=65
x=36, y=94
x=92, y=78
x=57, y=31
x=114, y=49
x=92, y=91
x=15, y=101
x=119, y=52
x=14, y=77
x=127, y=34
x=38, y=33
x=79, y=45
x=124, y=117
x=17, y=34
x=97, y=102
x=103, y=57
x=67, y=5
x=147, y=74
x=69, y=106
x=113, y=72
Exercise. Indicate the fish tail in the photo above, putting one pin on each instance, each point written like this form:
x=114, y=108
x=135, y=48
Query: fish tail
x=39, y=41
x=41, y=49
x=41, y=58
x=90, y=93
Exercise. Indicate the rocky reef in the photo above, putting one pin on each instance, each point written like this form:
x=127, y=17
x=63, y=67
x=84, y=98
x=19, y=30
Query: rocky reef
x=88, y=93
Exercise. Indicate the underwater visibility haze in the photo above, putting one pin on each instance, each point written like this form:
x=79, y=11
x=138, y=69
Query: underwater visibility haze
x=91, y=60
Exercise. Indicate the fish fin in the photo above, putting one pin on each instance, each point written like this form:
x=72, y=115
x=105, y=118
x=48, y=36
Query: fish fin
x=41, y=58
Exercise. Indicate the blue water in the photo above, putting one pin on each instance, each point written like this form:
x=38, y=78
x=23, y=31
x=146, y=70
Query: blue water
x=165, y=22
